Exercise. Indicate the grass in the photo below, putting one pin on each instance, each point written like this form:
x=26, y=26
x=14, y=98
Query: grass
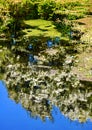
x=41, y=27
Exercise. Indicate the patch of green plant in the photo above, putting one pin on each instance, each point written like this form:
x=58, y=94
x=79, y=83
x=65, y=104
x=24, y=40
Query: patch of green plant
x=40, y=28
x=46, y=9
x=75, y=16
x=49, y=10
x=71, y=5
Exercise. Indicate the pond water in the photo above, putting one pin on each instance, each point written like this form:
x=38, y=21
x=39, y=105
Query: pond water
x=40, y=90
x=14, y=117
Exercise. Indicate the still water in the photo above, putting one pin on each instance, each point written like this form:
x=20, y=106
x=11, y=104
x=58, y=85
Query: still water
x=14, y=117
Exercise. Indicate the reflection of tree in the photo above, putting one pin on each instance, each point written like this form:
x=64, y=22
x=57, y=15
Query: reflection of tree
x=49, y=82
x=38, y=90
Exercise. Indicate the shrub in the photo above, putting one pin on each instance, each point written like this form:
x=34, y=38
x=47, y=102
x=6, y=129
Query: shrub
x=71, y=5
x=75, y=16
x=32, y=10
x=46, y=9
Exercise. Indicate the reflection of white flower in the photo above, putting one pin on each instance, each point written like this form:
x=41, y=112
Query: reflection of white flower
x=9, y=66
x=63, y=74
x=88, y=94
x=60, y=83
x=69, y=60
x=57, y=79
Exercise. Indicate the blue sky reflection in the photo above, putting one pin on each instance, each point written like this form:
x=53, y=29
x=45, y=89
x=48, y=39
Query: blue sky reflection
x=14, y=117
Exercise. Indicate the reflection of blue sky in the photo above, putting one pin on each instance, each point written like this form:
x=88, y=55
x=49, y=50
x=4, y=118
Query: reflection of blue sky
x=14, y=117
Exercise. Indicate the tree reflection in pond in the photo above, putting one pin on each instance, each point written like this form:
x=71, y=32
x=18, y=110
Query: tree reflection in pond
x=39, y=87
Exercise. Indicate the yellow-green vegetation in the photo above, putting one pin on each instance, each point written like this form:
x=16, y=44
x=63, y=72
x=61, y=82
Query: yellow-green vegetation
x=41, y=27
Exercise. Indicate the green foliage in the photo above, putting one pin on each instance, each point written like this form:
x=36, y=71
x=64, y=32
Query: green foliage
x=31, y=9
x=46, y=9
x=41, y=28
x=64, y=26
x=75, y=16
x=71, y=5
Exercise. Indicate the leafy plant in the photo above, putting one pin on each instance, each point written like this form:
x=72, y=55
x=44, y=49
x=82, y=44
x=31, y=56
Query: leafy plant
x=46, y=9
